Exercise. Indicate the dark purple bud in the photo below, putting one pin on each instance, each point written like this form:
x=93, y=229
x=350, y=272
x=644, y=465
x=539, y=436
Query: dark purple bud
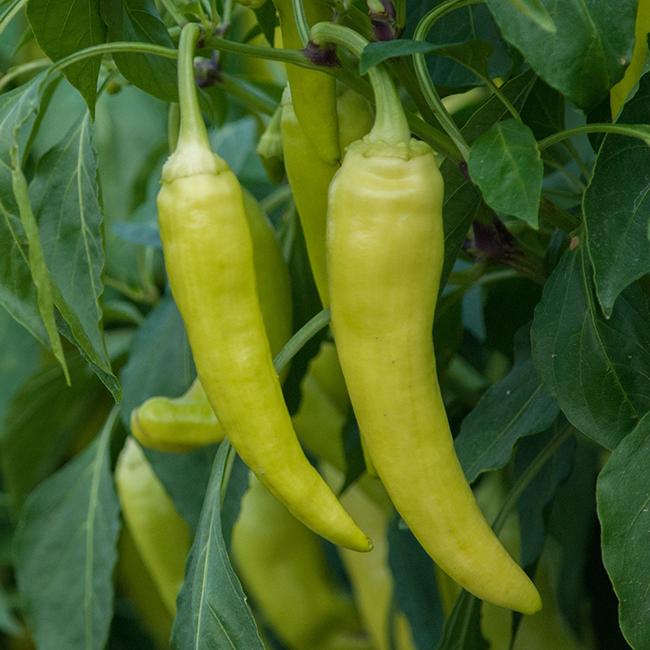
x=462, y=168
x=323, y=55
x=207, y=71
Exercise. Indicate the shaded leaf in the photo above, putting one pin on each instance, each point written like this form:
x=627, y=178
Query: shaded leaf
x=463, y=627
x=623, y=495
x=543, y=110
x=8, y=622
x=19, y=357
x=597, y=368
x=62, y=28
x=532, y=504
x=212, y=608
x=506, y=165
x=43, y=419
x=160, y=362
x=415, y=591
x=72, y=517
x=473, y=55
x=65, y=197
x=616, y=206
x=464, y=24
x=139, y=21
x=588, y=52
x=572, y=523
x=185, y=477
x=516, y=406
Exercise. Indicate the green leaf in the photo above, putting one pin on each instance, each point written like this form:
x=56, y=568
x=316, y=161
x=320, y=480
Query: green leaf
x=587, y=54
x=623, y=494
x=212, y=608
x=44, y=403
x=8, y=623
x=64, y=192
x=65, y=549
x=139, y=21
x=543, y=111
x=473, y=55
x=463, y=627
x=516, y=406
x=374, y=53
x=536, y=11
x=415, y=586
x=597, y=368
x=461, y=205
x=457, y=27
x=62, y=28
x=571, y=524
x=18, y=359
x=462, y=202
x=19, y=111
x=533, y=502
x=36, y=259
x=506, y=165
x=185, y=477
x=160, y=362
x=616, y=206
x=516, y=90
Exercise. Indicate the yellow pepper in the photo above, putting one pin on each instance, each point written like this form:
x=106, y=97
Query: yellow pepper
x=209, y=259
x=385, y=252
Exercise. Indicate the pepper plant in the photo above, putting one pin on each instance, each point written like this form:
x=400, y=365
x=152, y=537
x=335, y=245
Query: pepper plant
x=127, y=518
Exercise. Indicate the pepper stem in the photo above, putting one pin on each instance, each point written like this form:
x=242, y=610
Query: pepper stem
x=192, y=130
x=390, y=124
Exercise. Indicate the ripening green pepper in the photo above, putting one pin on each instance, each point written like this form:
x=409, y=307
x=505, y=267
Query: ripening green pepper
x=385, y=250
x=314, y=92
x=310, y=176
x=208, y=253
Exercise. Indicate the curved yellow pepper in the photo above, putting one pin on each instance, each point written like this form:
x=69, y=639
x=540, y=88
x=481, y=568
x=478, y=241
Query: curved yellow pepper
x=385, y=252
x=209, y=259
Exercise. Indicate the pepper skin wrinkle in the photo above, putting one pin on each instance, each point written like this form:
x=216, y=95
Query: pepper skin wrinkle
x=208, y=254
x=385, y=252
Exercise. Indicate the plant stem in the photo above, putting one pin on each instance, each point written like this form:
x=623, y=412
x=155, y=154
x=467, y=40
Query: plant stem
x=390, y=122
x=192, y=130
x=300, y=17
x=173, y=122
x=16, y=71
x=111, y=48
x=276, y=198
x=428, y=89
x=300, y=338
x=642, y=132
x=227, y=14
